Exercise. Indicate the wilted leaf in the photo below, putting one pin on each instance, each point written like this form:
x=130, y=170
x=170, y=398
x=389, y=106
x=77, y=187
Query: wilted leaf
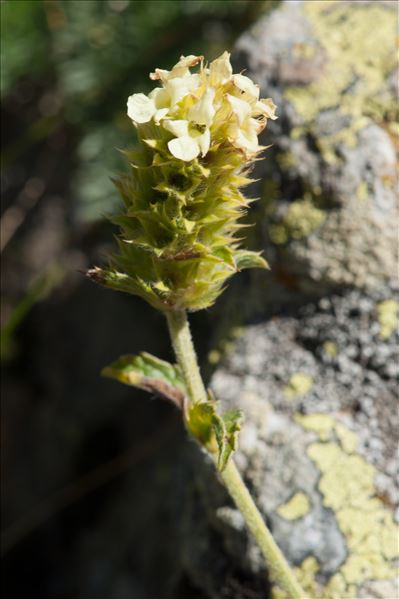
x=151, y=374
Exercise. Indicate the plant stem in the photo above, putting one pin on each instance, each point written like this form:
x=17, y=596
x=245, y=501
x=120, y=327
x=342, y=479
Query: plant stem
x=278, y=568
x=182, y=342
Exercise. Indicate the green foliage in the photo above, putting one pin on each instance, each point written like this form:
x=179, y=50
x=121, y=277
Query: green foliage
x=24, y=42
x=217, y=433
x=226, y=428
x=151, y=374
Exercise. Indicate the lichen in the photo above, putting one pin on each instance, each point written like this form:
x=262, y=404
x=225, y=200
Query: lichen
x=357, y=43
x=362, y=191
x=330, y=348
x=299, y=385
x=297, y=507
x=347, y=486
x=301, y=218
x=387, y=313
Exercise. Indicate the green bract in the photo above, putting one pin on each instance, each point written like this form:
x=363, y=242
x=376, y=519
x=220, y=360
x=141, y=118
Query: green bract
x=197, y=139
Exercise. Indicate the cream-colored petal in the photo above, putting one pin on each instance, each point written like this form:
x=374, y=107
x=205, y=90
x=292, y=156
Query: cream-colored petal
x=160, y=114
x=204, y=142
x=220, y=70
x=140, y=108
x=241, y=108
x=203, y=111
x=159, y=75
x=178, y=128
x=179, y=87
x=184, y=148
x=160, y=97
x=247, y=138
x=188, y=61
x=181, y=69
x=246, y=85
x=267, y=107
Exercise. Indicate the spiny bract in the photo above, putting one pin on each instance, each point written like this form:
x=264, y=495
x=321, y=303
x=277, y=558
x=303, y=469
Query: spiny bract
x=197, y=134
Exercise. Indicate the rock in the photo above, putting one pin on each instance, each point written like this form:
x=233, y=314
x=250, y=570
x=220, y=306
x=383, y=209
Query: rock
x=321, y=460
x=328, y=182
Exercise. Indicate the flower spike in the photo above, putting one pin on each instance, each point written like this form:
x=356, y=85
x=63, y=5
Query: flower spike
x=198, y=136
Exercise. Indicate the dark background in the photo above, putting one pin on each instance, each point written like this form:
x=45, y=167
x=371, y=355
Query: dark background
x=71, y=441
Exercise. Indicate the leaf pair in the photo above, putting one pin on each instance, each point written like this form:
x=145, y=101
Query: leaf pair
x=217, y=433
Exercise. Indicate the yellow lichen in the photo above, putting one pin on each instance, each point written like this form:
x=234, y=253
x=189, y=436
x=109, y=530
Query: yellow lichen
x=387, y=313
x=357, y=43
x=297, y=507
x=347, y=438
x=362, y=191
x=347, y=485
x=322, y=424
x=278, y=234
x=303, y=217
x=330, y=348
x=299, y=385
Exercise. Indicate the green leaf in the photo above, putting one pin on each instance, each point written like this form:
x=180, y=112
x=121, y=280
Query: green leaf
x=218, y=433
x=247, y=259
x=151, y=374
x=200, y=421
x=226, y=429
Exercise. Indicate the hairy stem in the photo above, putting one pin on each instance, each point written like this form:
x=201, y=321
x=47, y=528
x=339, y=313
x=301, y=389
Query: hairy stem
x=182, y=342
x=277, y=566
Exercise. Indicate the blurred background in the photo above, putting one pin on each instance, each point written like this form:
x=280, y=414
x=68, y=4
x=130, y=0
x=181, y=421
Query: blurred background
x=100, y=491
x=70, y=438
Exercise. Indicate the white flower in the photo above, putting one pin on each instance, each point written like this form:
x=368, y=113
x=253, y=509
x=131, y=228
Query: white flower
x=213, y=104
x=189, y=142
x=142, y=108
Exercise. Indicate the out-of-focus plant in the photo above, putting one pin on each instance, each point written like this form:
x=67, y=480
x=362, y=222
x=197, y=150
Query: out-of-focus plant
x=178, y=243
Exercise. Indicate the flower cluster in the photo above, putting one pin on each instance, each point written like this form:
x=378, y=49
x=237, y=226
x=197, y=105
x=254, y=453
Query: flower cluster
x=198, y=134
x=212, y=106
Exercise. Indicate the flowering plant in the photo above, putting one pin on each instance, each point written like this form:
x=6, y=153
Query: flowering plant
x=198, y=135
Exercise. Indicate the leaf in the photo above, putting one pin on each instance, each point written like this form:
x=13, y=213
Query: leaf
x=247, y=259
x=218, y=433
x=200, y=421
x=151, y=374
x=226, y=428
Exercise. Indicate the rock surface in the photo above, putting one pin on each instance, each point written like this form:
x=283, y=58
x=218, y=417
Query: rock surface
x=328, y=182
x=319, y=444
